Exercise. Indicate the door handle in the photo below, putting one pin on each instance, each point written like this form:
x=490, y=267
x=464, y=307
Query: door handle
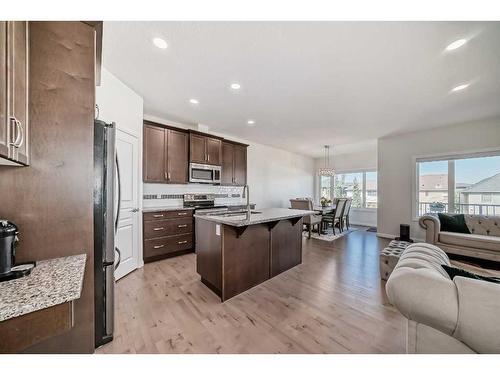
x=158, y=215
x=16, y=131
x=158, y=228
x=134, y=210
x=181, y=213
x=181, y=242
x=119, y=257
x=158, y=246
x=182, y=226
x=21, y=132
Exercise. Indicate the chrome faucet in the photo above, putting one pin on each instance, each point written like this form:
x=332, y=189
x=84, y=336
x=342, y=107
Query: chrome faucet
x=247, y=188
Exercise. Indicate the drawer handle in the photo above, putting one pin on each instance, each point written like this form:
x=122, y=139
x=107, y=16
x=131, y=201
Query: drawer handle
x=181, y=213
x=182, y=226
x=158, y=246
x=158, y=228
x=181, y=242
x=158, y=215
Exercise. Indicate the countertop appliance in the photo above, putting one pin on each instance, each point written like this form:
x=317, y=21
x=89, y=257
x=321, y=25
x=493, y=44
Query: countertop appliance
x=8, y=241
x=106, y=193
x=204, y=173
x=8, y=236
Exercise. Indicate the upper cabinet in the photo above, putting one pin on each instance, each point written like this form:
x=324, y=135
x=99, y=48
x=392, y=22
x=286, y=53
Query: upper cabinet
x=14, y=137
x=4, y=124
x=165, y=156
x=204, y=149
x=234, y=163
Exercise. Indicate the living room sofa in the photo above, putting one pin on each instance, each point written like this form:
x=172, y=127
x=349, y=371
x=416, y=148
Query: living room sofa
x=483, y=241
x=444, y=316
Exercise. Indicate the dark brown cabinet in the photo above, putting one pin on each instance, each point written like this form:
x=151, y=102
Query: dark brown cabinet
x=234, y=163
x=167, y=233
x=165, y=155
x=4, y=124
x=204, y=149
x=14, y=137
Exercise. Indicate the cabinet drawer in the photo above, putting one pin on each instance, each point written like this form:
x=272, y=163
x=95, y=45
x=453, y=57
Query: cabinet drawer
x=166, y=245
x=158, y=215
x=168, y=227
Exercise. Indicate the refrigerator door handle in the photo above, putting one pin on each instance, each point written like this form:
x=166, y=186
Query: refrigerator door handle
x=119, y=257
x=117, y=217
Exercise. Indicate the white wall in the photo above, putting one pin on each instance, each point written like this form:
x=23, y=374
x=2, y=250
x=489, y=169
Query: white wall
x=274, y=175
x=352, y=162
x=396, y=170
x=118, y=103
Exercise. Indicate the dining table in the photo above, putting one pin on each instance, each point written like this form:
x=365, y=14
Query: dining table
x=324, y=209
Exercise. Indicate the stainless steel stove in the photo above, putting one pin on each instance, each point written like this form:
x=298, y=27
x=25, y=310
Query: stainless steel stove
x=203, y=203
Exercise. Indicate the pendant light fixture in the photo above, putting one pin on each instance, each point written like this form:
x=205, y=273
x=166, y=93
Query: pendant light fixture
x=327, y=170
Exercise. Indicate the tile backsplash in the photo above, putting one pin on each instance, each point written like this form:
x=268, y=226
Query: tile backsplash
x=167, y=195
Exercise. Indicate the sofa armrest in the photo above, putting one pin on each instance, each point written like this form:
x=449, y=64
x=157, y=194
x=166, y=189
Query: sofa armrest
x=424, y=296
x=479, y=314
x=432, y=228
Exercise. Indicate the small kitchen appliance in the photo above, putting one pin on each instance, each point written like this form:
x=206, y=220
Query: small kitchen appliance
x=8, y=240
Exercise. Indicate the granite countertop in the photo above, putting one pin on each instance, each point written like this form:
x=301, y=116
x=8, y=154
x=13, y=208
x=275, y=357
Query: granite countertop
x=50, y=283
x=262, y=216
x=166, y=208
x=175, y=208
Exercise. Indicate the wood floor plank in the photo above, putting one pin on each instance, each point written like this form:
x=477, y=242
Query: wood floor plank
x=334, y=302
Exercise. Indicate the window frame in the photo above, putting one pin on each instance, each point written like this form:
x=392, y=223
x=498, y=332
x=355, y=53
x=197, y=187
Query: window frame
x=450, y=157
x=364, y=195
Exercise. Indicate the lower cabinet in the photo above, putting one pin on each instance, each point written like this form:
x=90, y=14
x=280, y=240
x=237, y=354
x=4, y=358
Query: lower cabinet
x=167, y=234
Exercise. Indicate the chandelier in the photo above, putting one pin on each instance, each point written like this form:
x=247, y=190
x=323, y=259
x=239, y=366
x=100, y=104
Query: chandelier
x=327, y=170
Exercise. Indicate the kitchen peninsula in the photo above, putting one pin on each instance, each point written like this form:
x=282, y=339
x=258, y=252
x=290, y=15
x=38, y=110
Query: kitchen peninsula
x=237, y=251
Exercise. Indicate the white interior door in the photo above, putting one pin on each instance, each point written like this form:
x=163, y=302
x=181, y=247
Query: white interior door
x=128, y=232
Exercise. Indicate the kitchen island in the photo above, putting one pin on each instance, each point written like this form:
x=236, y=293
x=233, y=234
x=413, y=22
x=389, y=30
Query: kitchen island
x=237, y=251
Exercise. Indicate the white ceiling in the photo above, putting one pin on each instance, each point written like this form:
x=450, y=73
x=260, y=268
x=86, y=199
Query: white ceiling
x=307, y=84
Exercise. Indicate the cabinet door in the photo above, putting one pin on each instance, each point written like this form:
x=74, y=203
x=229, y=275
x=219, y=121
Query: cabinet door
x=154, y=154
x=214, y=151
x=197, y=149
x=240, y=165
x=177, y=157
x=227, y=173
x=4, y=123
x=18, y=38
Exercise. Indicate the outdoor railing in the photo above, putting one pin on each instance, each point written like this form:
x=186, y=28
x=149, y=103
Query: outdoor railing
x=459, y=208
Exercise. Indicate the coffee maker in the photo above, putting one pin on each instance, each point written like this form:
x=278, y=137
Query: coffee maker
x=8, y=241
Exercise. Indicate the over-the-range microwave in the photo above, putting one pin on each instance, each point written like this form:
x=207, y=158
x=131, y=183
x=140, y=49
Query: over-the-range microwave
x=204, y=173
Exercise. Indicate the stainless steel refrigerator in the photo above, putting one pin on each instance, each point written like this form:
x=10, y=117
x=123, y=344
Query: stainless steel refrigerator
x=106, y=211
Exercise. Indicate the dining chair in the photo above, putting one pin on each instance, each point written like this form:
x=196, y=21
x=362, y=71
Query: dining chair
x=336, y=216
x=345, y=214
x=311, y=220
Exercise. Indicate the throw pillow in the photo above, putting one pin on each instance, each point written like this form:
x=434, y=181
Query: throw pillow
x=453, y=271
x=453, y=223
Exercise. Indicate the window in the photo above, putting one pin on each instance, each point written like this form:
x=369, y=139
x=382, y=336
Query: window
x=461, y=184
x=361, y=187
x=326, y=187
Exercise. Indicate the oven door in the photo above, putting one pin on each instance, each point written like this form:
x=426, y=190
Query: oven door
x=202, y=173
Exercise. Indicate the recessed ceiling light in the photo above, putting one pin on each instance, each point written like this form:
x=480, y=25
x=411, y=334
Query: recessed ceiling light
x=460, y=87
x=456, y=44
x=250, y=122
x=160, y=43
x=193, y=101
x=235, y=86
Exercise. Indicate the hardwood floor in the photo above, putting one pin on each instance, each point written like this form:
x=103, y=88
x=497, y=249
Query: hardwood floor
x=334, y=302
